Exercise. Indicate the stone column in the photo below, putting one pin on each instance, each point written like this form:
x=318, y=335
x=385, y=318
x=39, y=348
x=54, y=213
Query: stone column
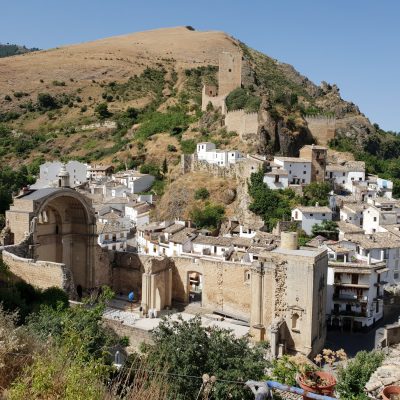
x=274, y=339
x=169, y=289
x=256, y=310
x=145, y=292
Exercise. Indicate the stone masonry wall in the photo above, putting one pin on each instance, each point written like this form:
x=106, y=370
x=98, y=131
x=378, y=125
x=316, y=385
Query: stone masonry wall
x=42, y=274
x=241, y=122
x=322, y=128
x=222, y=282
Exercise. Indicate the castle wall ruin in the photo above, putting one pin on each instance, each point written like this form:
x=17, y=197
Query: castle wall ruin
x=322, y=128
x=241, y=122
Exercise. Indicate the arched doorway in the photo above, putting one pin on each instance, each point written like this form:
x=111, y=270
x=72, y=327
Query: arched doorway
x=195, y=287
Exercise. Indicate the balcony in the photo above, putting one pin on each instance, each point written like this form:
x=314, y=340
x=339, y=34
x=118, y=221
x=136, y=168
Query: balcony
x=350, y=285
x=354, y=299
x=344, y=313
x=356, y=263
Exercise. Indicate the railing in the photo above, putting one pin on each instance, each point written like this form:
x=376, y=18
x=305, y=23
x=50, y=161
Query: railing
x=263, y=390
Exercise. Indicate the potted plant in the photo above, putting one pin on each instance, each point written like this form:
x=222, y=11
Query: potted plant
x=317, y=381
x=391, y=393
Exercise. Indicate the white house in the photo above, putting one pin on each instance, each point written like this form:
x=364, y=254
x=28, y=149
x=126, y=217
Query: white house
x=379, y=247
x=345, y=174
x=276, y=179
x=309, y=216
x=379, y=213
x=207, y=152
x=385, y=187
x=298, y=169
x=138, y=213
x=353, y=213
x=355, y=287
x=135, y=181
x=49, y=171
x=112, y=236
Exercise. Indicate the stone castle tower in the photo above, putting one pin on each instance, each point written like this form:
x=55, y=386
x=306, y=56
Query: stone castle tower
x=229, y=72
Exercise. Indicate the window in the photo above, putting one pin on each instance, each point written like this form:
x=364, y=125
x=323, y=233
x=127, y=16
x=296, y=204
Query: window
x=303, y=181
x=377, y=307
x=344, y=174
x=374, y=219
x=290, y=171
x=354, y=279
x=311, y=215
x=295, y=322
x=247, y=276
x=336, y=308
x=304, y=172
x=323, y=214
x=229, y=70
x=348, y=307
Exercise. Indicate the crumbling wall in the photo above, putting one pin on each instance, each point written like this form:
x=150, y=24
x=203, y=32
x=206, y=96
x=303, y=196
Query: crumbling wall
x=215, y=100
x=222, y=281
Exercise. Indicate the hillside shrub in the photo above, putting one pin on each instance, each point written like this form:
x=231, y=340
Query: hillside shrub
x=171, y=148
x=353, y=377
x=102, y=111
x=46, y=101
x=209, y=217
x=201, y=194
x=188, y=146
x=241, y=98
x=158, y=122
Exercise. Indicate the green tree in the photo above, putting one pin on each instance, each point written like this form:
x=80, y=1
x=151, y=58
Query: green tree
x=316, y=192
x=353, y=377
x=102, y=111
x=329, y=229
x=210, y=216
x=271, y=205
x=151, y=169
x=201, y=194
x=186, y=348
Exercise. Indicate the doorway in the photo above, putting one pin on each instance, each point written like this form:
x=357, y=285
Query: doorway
x=195, y=288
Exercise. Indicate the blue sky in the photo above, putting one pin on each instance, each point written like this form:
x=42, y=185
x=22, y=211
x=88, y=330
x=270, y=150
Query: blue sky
x=353, y=43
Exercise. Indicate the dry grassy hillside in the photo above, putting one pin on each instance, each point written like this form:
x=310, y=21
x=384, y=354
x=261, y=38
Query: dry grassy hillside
x=115, y=58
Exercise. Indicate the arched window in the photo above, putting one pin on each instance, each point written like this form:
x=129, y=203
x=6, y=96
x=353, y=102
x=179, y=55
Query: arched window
x=295, y=322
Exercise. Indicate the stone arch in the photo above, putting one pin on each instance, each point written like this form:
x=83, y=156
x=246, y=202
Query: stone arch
x=65, y=232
